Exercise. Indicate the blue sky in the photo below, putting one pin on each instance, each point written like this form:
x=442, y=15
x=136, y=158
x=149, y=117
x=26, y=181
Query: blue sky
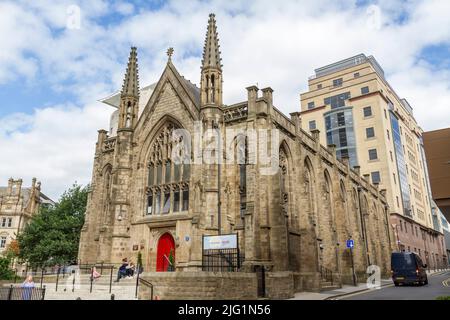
x=51, y=75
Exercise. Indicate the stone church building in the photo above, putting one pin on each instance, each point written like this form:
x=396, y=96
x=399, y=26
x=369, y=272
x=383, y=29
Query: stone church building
x=293, y=213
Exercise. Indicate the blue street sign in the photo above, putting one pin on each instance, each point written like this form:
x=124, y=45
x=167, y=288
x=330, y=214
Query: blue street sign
x=350, y=243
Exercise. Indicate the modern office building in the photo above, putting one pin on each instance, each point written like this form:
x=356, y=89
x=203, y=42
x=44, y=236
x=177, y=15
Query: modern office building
x=354, y=107
x=437, y=149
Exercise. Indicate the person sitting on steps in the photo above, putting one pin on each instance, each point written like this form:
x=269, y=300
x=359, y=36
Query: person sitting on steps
x=130, y=270
x=122, y=270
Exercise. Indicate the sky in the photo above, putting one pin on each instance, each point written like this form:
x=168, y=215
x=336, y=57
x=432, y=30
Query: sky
x=58, y=58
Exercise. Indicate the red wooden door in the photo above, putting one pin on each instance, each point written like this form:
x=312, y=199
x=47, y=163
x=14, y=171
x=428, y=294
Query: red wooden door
x=165, y=245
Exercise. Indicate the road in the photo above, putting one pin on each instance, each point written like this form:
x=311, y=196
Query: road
x=438, y=285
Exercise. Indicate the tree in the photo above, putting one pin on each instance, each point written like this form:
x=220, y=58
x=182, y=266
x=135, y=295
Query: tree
x=12, y=250
x=53, y=235
x=5, y=270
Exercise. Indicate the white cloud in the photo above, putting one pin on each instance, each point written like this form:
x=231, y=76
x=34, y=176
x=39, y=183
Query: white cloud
x=275, y=44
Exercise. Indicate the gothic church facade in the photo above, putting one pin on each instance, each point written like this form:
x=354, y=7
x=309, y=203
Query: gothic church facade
x=294, y=221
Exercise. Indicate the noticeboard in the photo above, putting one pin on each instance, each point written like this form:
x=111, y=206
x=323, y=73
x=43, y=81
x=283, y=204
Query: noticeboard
x=227, y=241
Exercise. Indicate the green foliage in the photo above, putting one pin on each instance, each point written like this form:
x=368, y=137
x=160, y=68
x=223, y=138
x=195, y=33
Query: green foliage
x=53, y=235
x=443, y=298
x=171, y=258
x=6, y=273
x=139, y=259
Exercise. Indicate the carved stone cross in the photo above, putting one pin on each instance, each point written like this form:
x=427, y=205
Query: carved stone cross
x=170, y=52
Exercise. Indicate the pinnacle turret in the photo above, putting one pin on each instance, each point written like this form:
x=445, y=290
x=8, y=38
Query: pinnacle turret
x=211, y=53
x=130, y=86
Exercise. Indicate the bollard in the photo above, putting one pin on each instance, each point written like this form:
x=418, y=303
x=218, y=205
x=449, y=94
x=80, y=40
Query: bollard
x=73, y=281
x=113, y=297
x=57, y=279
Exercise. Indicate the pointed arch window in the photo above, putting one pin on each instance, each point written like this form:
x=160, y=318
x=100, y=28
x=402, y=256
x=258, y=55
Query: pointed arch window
x=168, y=180
x=242, y=157
x=284, y=187
x=213, y=89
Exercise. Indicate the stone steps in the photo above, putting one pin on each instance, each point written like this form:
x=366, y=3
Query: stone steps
x=328, y=286
x=121, y=292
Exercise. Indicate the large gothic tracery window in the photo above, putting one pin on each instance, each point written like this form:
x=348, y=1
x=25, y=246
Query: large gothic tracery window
x=168, y=179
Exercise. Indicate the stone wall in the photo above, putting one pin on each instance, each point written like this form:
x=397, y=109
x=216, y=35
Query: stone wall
x=199, y=285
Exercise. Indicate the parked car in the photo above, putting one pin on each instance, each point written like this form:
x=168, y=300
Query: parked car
x=408, y=268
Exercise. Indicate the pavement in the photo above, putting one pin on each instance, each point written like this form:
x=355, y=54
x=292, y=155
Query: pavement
x=439, y=284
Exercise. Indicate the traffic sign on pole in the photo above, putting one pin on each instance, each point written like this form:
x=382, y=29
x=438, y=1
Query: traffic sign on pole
x=350, y=243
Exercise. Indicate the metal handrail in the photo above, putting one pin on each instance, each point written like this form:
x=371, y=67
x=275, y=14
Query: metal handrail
x=146, y=283
x=326, y=274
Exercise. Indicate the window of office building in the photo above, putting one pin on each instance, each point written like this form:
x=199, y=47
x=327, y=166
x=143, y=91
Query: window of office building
x=312, y=125
x=370, y=132
x=340, y=132
x=337, y=101
x=376, y=177
x=356, y=74
x=367, y=111
x=337, y=82
x=373, y=154
x=9, y=222
x=310, y=105
x=319, y=86
x=364, y=90
x=401, y=164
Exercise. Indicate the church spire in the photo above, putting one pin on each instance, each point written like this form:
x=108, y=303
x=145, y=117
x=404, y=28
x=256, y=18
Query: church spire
x=129, y=97
x=211, y=53
x=130, y=85
x=211, y=79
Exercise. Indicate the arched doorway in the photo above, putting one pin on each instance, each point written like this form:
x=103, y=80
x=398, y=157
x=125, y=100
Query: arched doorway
x=165, y=250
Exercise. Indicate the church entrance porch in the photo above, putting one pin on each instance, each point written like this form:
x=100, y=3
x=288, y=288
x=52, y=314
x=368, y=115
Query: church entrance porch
x=165, y=254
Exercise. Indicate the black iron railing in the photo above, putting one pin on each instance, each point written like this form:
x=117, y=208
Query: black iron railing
x=326, y=274
x=222, y=260
x=147, y=284
x=19, y=293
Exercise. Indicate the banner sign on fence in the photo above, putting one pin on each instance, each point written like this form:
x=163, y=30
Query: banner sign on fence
x=228, y=241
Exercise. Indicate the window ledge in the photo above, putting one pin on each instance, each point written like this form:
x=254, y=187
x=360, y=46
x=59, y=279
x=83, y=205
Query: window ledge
x=170, y=217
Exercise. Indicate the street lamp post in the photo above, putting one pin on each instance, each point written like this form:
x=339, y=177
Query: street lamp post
x=353, y=264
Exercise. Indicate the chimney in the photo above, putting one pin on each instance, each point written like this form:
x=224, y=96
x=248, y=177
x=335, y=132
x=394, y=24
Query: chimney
x=345, y=160
x=315, y=134
x=10, y=183
x=102, y=135
x=268, y=96
x=252, y=95
x=332, y=149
